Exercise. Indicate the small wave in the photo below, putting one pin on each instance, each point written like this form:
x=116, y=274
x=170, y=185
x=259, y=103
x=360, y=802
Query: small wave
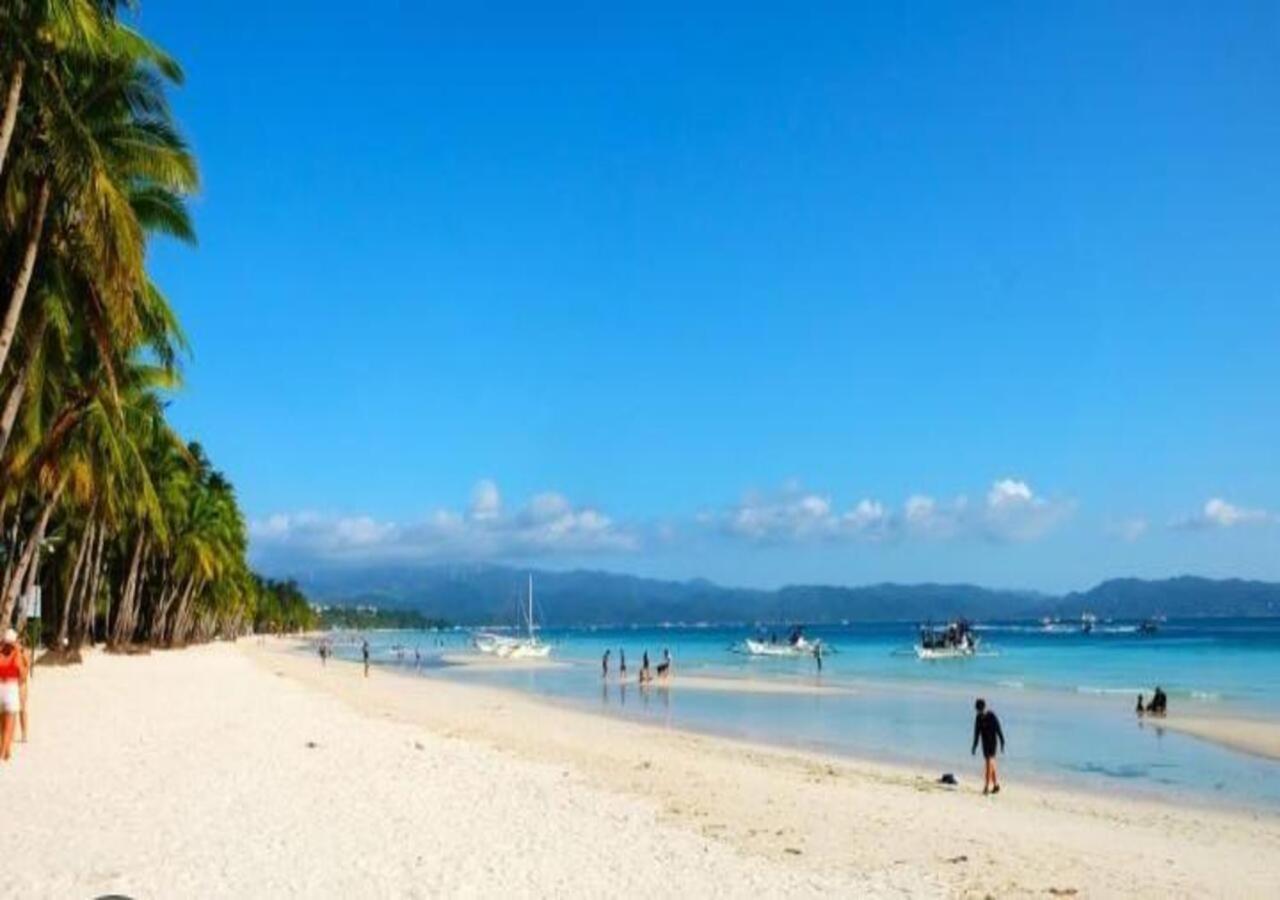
x=1207, y=696
x=1016, y=685
x=1105, y=691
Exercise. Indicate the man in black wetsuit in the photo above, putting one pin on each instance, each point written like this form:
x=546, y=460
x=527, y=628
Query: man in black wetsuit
x=986, y=730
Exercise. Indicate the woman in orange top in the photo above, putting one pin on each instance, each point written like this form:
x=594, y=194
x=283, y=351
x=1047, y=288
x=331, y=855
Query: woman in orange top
x=12, y=672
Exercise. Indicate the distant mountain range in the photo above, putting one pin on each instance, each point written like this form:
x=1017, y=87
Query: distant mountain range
x=488, y=594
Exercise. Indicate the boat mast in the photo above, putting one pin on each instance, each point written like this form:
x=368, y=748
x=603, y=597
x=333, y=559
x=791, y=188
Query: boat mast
x=530, y=606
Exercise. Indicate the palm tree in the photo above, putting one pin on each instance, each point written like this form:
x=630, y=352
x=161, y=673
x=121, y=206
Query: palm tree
x=92, y=168
x=102, y=148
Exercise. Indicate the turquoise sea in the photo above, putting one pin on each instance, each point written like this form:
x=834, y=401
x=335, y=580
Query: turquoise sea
x=1066, y=699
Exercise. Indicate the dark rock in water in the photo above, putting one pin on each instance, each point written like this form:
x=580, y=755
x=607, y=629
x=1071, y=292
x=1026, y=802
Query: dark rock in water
x=948, y=778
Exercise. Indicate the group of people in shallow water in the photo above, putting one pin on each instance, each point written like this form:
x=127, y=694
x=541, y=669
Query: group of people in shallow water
x=647, y=674
x=1158, y=705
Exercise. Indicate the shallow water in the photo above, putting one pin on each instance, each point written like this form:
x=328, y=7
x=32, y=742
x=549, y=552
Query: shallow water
x=1065, y=698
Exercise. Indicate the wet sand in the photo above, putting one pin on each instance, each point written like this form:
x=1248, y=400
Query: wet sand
x=1253, y=736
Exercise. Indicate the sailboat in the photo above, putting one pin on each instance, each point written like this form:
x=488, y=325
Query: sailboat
x=528, y=647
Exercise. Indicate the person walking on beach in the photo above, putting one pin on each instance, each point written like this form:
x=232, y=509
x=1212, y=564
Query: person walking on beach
x=604, y=665
x=664, y=667
x=364, y=650
x=12, y=670
x=986, y=730
x=644, y=668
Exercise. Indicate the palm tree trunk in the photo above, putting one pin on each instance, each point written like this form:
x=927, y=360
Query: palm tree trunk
x=11, y=108
x=181, y=620
x=90, y=602
x=122, y=629
x=73, y=588
x=155, y=623
x=19, y=295
x=11, y=405
x=29, y=554
x=13, y=402
x=10, y=551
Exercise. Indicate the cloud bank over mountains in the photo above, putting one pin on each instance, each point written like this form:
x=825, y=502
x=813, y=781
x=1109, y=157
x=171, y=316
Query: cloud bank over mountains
x=549, y=525
x=1010, y=511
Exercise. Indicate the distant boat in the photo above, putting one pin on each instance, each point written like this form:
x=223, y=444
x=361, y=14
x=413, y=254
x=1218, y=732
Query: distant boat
x=506, y=647
x=1149, y=626
x=527, y=647
x=955, y=641
x=796, y=645
x=1087, y=621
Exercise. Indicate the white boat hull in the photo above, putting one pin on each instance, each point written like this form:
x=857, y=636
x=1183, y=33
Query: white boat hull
x=763, y=648
x=946, y=652
x=526, y=650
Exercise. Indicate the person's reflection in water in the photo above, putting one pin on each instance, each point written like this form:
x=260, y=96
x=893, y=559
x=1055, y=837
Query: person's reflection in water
x=622, y=694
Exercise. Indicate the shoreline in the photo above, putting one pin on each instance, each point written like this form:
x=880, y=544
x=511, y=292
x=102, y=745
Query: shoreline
x=316, y=781
x=1248, y=736
x=734, y=790
x=1239, y=732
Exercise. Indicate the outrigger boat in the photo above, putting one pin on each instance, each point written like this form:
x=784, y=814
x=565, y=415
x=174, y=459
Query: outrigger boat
x=796, y=645
x=956, y=641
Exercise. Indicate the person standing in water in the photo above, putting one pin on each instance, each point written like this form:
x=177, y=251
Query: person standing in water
x=622, y=663
x=604, y=664
x=664, y=667
x=364, y=650
x=817, y=656
x=986, y=730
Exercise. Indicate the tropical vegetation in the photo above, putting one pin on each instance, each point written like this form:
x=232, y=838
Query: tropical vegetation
x=367, y=618
x=131, y=534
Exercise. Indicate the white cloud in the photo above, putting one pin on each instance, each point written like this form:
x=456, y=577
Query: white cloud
x=1218, y=513
x=1012, y=511
x=925, y=517
x=486, y=500
x=1128, y=530
x=549, y=524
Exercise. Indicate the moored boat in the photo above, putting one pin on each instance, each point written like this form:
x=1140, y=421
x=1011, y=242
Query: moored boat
x=955, y=641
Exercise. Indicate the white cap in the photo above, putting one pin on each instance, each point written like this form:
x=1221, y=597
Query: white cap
x=10, y=636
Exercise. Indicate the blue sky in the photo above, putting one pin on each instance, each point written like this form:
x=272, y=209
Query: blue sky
x=841, y=292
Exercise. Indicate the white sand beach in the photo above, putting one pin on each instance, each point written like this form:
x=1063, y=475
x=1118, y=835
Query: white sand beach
x=248, y=770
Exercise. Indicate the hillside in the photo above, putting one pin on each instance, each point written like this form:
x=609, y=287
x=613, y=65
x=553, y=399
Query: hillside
x=485, y=594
